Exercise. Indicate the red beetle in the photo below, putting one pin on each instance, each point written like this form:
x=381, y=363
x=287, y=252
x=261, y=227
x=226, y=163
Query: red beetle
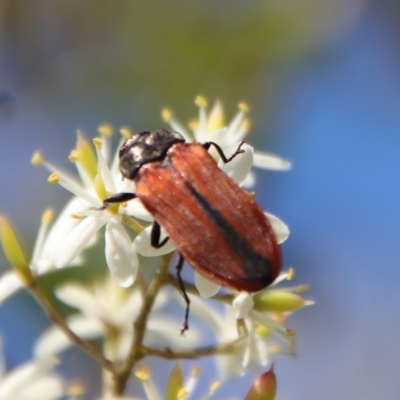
x=216, y=225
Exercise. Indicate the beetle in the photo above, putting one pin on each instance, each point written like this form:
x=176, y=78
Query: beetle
x=216, y=226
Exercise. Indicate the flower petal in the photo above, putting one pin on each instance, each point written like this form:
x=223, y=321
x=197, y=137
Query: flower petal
x=239, y=167
x=206, y=287
x=230, y=366
x=218, y=136
x=105, y=172
x=46, y=388
x=79, y=297
x=143, y=245
x=120, y=254
x=9, y=284
x=79, y=238
x=250, y=180
x=270, y=161
x=126, y=311
x=257, y=353
x=57, y=234
x=137, y=210
x=23, y=375
x=280, y=229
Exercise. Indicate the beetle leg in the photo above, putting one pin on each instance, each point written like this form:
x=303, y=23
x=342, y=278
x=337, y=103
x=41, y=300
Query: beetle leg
x=179, y=266
x=119, y=198
x=155, y=236
x=207, y=145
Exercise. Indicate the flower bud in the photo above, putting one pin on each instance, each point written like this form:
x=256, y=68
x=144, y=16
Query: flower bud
x=264, y=387
x=13, y=251
x=278, y=300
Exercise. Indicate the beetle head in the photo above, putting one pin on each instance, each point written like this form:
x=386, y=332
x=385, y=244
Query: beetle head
x=145, y=147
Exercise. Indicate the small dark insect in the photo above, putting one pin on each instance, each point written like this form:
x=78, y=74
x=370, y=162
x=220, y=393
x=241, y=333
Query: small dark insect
x=216, y=225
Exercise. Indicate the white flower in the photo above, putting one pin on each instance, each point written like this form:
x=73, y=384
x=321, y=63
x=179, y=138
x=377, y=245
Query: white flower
x=83, y=217
x=109, y=311
x=101, y=178
x=211, y=127
x=253, y=320
x=30, y=381
x=264, y=314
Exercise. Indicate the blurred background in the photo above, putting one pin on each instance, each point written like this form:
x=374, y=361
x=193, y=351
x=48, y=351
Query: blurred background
x=322, y=79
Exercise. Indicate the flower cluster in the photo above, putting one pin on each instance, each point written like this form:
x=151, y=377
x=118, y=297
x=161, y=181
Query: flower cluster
x=130, y=308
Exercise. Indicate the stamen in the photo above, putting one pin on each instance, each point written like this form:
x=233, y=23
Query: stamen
x=215, y=386
x=200, y=101
x=74, y=188
x=142, y=373
x=54, y=178
x=302, y=288
x=243, y=106
x=98, y=143
x=76, y=390
x=47, y=216
x=105, y=129
x=193, y=124
x=193, y=379
x=196, y=371
x=73, y=156
x=244, y=126
x=126, y=132
x=37, y=158
x=166, y=114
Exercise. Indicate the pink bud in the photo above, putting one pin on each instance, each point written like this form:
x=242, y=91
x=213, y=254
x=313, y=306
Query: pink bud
x=264, y=387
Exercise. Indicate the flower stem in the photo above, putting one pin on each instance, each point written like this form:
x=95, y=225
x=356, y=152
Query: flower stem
x=136, y=351
x=173, y=354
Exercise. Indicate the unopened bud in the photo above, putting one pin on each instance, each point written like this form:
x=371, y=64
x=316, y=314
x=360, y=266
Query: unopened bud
x=13, y=250
x=278, y=300
x=264, y=387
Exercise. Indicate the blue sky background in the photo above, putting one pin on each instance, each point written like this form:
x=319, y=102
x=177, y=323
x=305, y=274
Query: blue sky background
x=334, y=112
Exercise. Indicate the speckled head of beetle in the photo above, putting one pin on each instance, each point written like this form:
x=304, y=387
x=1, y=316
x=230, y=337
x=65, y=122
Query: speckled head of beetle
x=145, y=147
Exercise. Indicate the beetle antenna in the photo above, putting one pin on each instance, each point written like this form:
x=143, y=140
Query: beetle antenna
x=207, y=145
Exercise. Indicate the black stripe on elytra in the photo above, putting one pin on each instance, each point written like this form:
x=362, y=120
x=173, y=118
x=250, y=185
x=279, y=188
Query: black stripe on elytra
x=256, y=266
